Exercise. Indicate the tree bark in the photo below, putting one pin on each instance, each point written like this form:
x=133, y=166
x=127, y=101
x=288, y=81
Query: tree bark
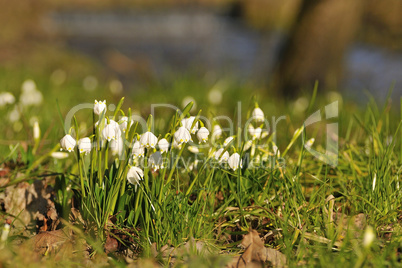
x=316, y=45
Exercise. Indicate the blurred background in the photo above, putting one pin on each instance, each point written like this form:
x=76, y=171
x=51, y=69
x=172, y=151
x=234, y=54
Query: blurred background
x=214, y=51
x=283, y=46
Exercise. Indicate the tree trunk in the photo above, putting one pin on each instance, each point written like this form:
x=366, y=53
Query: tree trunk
x=317, y=44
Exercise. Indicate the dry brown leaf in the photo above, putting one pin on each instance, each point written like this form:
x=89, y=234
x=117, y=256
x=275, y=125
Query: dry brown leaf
x=256, y=253
x=48, y=242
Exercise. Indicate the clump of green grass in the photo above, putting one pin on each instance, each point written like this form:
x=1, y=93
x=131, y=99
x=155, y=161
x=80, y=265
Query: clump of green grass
x=314, y=213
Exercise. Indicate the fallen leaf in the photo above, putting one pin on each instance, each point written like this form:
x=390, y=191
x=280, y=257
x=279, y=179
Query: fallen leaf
x=256, y=254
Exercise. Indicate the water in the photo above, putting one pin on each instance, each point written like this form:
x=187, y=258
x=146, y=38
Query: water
x=154, y=43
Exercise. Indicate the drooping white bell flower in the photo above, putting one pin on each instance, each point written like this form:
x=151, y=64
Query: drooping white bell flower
x=36, y=131
x=85, y=145
x=176, y=145
x=67, y=143
x=202, y=134
x=148, y=139
x=276, y=150
x=116, y=127
x=123, y=123
x=163, y=145
x=134, y=176
x=6, y=98
x=258, y=114
x=217, y=132
x=182, y=135
x=59, y=155
x=30, y=95
x=227, y=141
x=247, y=145
x=117, y=146
x=99, y=107
x=109, y=132
x=156, y=160
x=188, y=122
x=221, y=156
x=309, y=143
x=193, y=149
x=138, y=150
x=235, y=162
x=254, y=132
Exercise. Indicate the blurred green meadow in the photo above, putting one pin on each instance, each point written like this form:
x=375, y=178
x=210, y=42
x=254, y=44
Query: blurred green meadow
x=276, y=205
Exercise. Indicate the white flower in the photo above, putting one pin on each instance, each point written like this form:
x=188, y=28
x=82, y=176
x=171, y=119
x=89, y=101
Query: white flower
x=202, y=134
x=85, y=145
x=264, y=134
x=109, y=132
x=176, y=145
x=148, y=139
x=254, y=132
x=188, y=123
x=14, y=114
x=99, y=107
x=217, y=132
x=182, y=135
x=30, y=95
x=6, y=98
x=123, y=123
x=258, y=115
x=227, y=141
x=247, y=145
x=117, y=146
x=116, y=127
x=369, y=237
x=221, y=156
x=36, y=131
x=59, y=155
x=276, y=150
x=193, y=149
x=163, y=145
x=156, y=160
x=235, y=161
x=134, y=176
x=68, y=143
x=309, y=143
x=138, y=150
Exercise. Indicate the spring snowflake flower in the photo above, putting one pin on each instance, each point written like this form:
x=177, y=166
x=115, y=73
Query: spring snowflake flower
x=182, y=135
x=163, y=145
x=67, y=143
x=258, y=114
x=254, y=132
x=134, y=176
x=217, y=132
x=193, y=149
x=227, y=141
x=85, y=145
x=202, y=134
x=138, y=150
x=117, y=146
x=276, y=150
x=247, y=145
x=30, y=95
x=36, y=131
x=309, y=143
x=148, y=139
x=176, y=145
x=188, y=122
x=123, y=124
x=59, y=155
x=109, y=132
x=235, y=162
x=99, y=107
x=6, y=98
x=221, y=156
x=156, y=160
